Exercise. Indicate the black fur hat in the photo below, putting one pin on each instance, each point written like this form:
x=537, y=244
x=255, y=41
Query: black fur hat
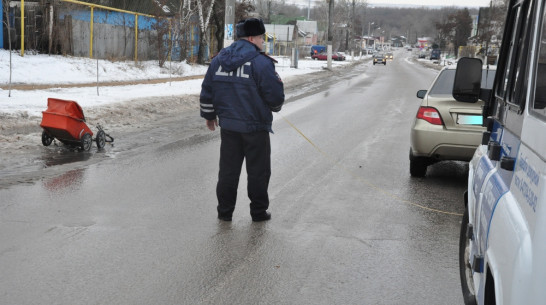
x=250, y=27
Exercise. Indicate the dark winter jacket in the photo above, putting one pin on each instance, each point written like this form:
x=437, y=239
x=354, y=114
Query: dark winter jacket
x=241, y=87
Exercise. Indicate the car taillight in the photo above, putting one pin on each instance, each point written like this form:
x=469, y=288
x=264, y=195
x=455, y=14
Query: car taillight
x=430, y=115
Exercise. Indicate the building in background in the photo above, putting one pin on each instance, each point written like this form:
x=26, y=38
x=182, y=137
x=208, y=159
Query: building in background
x=309, y=31
x=279, y=38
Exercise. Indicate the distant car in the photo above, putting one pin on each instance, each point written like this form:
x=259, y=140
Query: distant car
x=422, y=54
x=316, y=49
x=379, y=58
x=435, y=54
x=324, y=56
x=389, y=56
x=340, y=56
x=443, y=128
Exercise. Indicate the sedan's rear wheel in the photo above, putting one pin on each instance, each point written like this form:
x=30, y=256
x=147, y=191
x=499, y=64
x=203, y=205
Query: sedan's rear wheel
x=418, y=168
x=418, y=165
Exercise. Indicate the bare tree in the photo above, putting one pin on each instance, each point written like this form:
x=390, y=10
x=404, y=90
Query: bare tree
x=349, y=21
x=204, y=23
x=242, y=10
x=463, y=28
x=265, y=8
x=445, y=26
x=163, y=41
x=183, y=15
x=491, y=23
x=162, y=28
x=359, y=18
x=341, y=21
x=346, y=18
x=5, y=3
x=455, y=28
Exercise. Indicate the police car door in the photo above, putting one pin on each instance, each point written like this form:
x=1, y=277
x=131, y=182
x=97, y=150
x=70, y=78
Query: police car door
x=528, y=185
x=495, y=171
x=516, y=149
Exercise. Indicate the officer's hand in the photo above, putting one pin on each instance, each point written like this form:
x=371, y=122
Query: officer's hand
x=211, y=124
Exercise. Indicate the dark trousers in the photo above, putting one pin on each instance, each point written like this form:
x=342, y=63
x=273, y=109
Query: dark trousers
x=255, y=147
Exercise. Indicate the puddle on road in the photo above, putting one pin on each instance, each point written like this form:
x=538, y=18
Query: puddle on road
x=63, y=155
x=25, y=167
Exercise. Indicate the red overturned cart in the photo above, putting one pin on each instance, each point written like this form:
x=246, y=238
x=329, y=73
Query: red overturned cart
x=64, y=120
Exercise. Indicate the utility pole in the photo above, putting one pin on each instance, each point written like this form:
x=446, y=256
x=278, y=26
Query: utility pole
x=330, y=32
x=22, y=28
x=488, y=36
x=1, y=26
x=367, y=39
x=229, y=23
x=330, y=20
x=269, y=11
x=352, y=27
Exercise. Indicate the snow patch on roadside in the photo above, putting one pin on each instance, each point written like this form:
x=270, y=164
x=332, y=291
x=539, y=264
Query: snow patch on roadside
x=118, y=109
x=56, y=69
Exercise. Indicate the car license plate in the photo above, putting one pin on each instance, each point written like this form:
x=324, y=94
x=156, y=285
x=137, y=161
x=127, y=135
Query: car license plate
x=464, y=119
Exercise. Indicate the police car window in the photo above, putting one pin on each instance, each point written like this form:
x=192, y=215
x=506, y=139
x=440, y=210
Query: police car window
x=511, y=88
x=539, y=104
x=519, y=84
x=501, y=89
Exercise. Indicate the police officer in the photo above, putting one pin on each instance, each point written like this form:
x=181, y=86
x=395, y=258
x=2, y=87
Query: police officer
x=241, y=89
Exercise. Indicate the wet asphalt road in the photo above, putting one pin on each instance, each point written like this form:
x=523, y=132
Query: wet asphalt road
x=349, y=224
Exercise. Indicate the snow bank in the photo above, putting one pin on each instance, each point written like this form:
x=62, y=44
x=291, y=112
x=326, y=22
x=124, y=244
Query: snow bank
x=45, y=69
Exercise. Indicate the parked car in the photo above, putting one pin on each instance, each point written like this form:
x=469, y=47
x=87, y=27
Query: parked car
x=422, y=54
x=317, y=49
x=340, y=56
x=324, y=56
x=443, y=128
x=435, y=54
x=379, y=58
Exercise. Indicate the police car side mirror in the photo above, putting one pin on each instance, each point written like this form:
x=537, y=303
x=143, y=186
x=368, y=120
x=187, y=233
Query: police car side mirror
x=468, y=78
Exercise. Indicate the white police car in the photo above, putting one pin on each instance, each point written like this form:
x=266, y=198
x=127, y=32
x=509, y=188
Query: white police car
x=503, y=234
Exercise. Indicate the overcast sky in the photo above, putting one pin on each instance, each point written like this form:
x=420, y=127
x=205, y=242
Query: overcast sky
x=463, y=3
x=430, y=3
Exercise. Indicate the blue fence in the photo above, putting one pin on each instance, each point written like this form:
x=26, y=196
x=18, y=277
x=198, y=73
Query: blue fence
x=112, y=18
x=189, y=35
x=144, y=23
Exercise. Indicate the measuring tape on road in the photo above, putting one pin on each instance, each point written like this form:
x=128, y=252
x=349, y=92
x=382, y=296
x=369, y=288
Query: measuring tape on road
x=365, y=181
